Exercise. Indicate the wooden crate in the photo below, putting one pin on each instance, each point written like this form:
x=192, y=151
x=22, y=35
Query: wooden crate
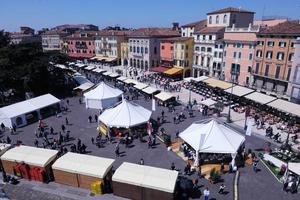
x=127, y=191
x=66, y=178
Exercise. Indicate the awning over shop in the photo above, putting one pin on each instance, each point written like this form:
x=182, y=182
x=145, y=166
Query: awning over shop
x=217, y=83
x=173, y=71
x=239, y=91
x=286, y=106
x=129, y=81
x=164, y=96
x=208, y=102
x=201, y=78
x=260, y=98
x=160, y=69
x=294, y=167
x=122, y=78
x=140, y=86
x=150, y=90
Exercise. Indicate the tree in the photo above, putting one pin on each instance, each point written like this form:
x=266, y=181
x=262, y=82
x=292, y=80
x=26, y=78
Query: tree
x=4, y=39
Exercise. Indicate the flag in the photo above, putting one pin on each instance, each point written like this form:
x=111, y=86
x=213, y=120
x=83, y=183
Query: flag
x=153, y=104
x=249, y=127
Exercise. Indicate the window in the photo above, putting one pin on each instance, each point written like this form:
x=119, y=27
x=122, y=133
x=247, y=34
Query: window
x=196, y=60
x=146, y=64
x=225, y=52
x=186, y=47
x=233, y=18
x=238, y=45
x=182, y=47
x=292, y=44
x=234, y=54
x=162, y=47
x=138, y=49
x=142, y=49
x=198, y=37
x=217, y=19
x=289, y=73
x=203, y=49
x=269, y=54
x=260, y=43
x=204, y=37
x=133, y=49
x=271, y=44
x=209, y=49
x=146, y=51
x=277, y=72
x=267, y=70
x=291, y=56
x=155, y=50
x=280, y=56
x=249, y=69
x=196, y=48
x=210, y=37
x=191, y=34
x=216, y=46
x=220, y=55
x=250, y=56
x=216, y=54
x=297, y=75
x=183, y=34
x=296, y=92
x=259, y=53
x=257, y=68
x=225, y=19
x=210, y=20
x=171, y=48
x=240, y=55
x=282, y=44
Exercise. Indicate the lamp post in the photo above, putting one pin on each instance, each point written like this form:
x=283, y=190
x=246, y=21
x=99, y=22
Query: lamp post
x=233, y=73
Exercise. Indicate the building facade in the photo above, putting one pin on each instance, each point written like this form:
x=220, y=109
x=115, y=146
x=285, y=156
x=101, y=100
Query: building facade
x=188, y=30
x=26, y=35
x=81, y=44
x=144, y=46
x=124, y=53
x=53, y=40
x=108, y=45
x=239, y=54
x=294, y=84
x=273, y=58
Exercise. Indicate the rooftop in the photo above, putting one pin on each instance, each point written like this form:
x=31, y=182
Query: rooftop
x=198, y=25
x=208, y=30
x=112, y=33
x=285, y=28
x=230, y=9
x=154, y=32
x=177, y=39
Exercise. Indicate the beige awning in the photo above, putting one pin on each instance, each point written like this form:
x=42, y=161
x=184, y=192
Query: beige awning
x=286, y=106
x=260, y=98
x=164, y=96
x=239, y=91
x=217, y=83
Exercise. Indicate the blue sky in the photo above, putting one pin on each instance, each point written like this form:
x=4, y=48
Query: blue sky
x=128, y=13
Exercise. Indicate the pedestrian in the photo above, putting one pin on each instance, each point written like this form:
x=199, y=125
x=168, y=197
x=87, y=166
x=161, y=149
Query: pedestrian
x=117, y=149
x=206, y=194
x=142, y=161
x=14, y=128
x=222, y=168
x=90, y=119
x=8, y=140
x=51, y=130
x=149, y=142
x=80, y=101
x=78, y=144
x=154, y=140
x=11, y=130
x=162, y=114
x=68, y=101
x=96, y=118
x=2, y=127
x=68, y=136
x=93, y=140
x=63, y=128
x=172, y=166
x=36, y=143
x=67, y=121
x=255, y=165
x=221, y=189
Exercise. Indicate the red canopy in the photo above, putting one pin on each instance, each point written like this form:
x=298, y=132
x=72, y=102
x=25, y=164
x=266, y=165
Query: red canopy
x=160, y=69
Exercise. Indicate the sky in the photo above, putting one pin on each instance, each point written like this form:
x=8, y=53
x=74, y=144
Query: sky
x=129, y=13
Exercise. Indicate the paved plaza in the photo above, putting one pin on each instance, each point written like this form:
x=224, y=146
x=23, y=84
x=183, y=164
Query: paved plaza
x=258, y=186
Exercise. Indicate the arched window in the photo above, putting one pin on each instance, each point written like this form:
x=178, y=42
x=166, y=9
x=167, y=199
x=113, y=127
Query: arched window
x=225, y=19
x=217, y=19
x=210, y=20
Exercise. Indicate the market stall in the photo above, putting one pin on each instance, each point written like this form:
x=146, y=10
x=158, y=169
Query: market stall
x=29, y=162
x=103, y=96
x=82, y=170
x=140, y=182
x=208, y=102
x=151, y=90
x=165, y=98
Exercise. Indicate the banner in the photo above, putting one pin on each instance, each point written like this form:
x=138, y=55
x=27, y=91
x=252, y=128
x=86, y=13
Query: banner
x=153, y=104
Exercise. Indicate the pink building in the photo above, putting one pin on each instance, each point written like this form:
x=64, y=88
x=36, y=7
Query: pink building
x=166, y=53
x=239, y=54
x=81, y=44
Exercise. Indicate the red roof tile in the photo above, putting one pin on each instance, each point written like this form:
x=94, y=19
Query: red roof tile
x=198, y=25
x=211, y=30
x=154, y=32
x=285, y=28
x=230, y=9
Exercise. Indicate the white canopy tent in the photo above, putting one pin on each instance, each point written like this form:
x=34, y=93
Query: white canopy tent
x=85, y=86
x=16, y=113
x=200, y=78
x=212, y=137
x=150, y=90
x=140, y=86
x=125, y=115
x=286, y=106
x=294, y=167
x=239, y=91
x=164, y=96
x=101, y=97
x=260, y=98
x=122, y=78
x=208, y=102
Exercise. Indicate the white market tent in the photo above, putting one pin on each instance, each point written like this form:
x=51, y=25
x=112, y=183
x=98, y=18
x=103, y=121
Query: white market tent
x=125, y=115
x=122, y=78
x=140, y=86
x=164, y=96
x=84, y=164
x=85, y=86
x=99, y=70
x=294, y=167
x=129, y=81
x=150, y=90
x=113, y=75
x=101, y=97
x=106, y=73
x=188, y=79
x=260, y=98
x=200, y=78
x=208, y=102
x=80, y=65
x=90, y=67
x=16, y=113
x=212, y=137
x=239, y=91
x=146, y=176
x=4, y=147
x=30, y=155
x=286, y=106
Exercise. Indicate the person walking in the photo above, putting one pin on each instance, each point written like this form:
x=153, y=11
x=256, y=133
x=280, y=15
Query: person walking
x=2, y=127
x=8, y=140
x=221, y=189
x=93, y=140
x=68, y=102
x=149, y=142
x=142, y=161
x=51, y=130
x=206, y=194
x=63, y=128
x=255, y=162
x=90, y=119
x=117, y=149
x=172, y=166
x=96, y=118
x=67, y=121
x=36, y=143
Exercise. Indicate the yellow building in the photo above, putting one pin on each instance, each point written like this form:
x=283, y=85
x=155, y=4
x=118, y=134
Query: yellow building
x=124, y=53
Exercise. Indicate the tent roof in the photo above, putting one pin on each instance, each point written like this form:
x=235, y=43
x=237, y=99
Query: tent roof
x=128, y=81
x=212, y=137
x=200, y=78
x=294, y=167
x=4, y=147
x=217, y=83
x=90, y=67
x=149, y=90
x=28, y=106
x=99, y=70
x=114, y=75
x=164, y=96
x=146, y=176
x=122, y=78
x=30, y=155
x=84, y=164
x=125, y=114
x=286, y=106
x=260, y=98
x=107, y=73
x=140, y=86
x=208, y=102
x=239, y=91
x=103, y=91
x=84, y=86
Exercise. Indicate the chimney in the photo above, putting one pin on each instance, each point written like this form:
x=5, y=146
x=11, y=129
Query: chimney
x=175, y=26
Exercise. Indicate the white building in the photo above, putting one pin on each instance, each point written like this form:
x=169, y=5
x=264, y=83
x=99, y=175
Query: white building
x=188, y=30
x=53, y=40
